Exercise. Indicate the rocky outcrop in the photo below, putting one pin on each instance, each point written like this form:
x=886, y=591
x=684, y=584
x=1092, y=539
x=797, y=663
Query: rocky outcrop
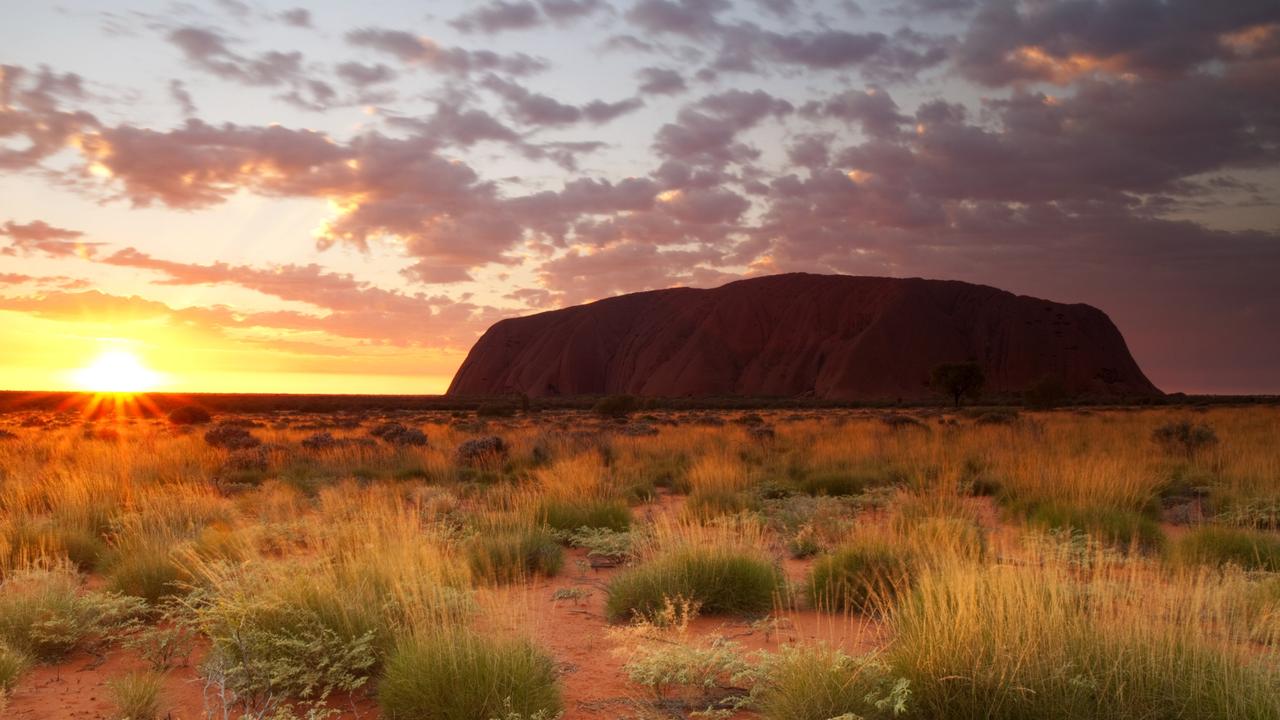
x=828, y=336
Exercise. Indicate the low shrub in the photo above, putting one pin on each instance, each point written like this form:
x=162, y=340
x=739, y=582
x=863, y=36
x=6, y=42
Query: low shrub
x=268, y=652
x=1184, y=437
x=861, y=576
x=231, y=437
x=44, y=615
x=190, y=415
x=718, y=580
x=1210, y=545
x=464, y=676
x=1115, y=526
x=136, y=696
x=506, y=556
x=819, y=683
x=702, y=678
x=569, y=515
x=603, y=546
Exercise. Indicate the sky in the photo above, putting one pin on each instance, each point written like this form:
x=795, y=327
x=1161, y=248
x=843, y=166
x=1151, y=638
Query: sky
x=337, y=197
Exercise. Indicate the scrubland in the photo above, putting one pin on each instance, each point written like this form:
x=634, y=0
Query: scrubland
x=789, y=565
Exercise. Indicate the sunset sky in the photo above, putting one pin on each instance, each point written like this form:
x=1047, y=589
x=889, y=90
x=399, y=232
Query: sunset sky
x=340, y=197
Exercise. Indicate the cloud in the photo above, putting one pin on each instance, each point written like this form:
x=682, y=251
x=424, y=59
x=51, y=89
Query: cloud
x=497, y=16
x=1061, y=41
x=565, y=11
x=178, y=91
x=745, y=47
x=413, y=50
x=353, y=308
x=30, y=114
x=362, y=75
x=706, y=131
x=873, y=109
x=531, y=108
x=296, y=17
x=39, y=236
x=210, y=51
x=661, y=81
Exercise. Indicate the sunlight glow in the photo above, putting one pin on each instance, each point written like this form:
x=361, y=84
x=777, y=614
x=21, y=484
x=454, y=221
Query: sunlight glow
x=116, y=371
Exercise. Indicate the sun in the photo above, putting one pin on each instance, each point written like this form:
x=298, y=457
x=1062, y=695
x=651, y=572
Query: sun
x=116, y=371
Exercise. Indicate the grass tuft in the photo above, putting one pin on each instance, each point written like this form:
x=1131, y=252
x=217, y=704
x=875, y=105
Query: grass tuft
x=136, y=695
x=861, y=576
x=1210, y=545
x=463, y=676
x=718, y=581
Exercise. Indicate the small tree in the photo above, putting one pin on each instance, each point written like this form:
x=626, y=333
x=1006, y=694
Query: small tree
x=963, y=379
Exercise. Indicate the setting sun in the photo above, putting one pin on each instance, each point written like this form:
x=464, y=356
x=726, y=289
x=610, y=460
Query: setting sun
x=116, y=371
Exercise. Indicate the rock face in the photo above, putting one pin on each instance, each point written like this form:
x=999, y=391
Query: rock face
x=827, y=336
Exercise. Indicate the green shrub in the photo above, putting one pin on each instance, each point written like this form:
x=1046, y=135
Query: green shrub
x=266, y=653
x=463, y=676
x=602, y=543
x=569, y=516
x=1115, y=526
x=718, y=581
x=505, y=556
x=136, y=696
x=1250, y=549
x=818, y=683
x=44, y=615
x=859, y=576
x=692, y=676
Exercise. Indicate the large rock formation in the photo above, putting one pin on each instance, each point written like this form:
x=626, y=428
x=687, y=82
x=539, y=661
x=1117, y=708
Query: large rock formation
x=828, y=336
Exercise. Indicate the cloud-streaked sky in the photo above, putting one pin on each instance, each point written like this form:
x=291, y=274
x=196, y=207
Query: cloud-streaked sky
x=340, y=197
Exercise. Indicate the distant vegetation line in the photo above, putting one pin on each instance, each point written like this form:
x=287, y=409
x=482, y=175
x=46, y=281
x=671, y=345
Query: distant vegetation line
x=17, y=401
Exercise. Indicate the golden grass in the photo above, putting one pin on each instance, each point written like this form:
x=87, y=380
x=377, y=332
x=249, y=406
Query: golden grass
x=371, y=539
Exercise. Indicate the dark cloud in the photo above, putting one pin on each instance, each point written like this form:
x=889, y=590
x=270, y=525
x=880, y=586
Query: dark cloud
x=178, y=91
x=361, y=75
x=747, y=48
x=1058, y=41
x=706, y=131
x=413, y=50
x=691, y=18
x=873, y=109
x=570, y=10
x=211, y=52
x=661, y=81
x=499, y=15
x=296, y=17
x=531, y=108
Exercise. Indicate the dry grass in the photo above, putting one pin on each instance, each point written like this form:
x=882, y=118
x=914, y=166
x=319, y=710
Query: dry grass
x=1038, y=581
